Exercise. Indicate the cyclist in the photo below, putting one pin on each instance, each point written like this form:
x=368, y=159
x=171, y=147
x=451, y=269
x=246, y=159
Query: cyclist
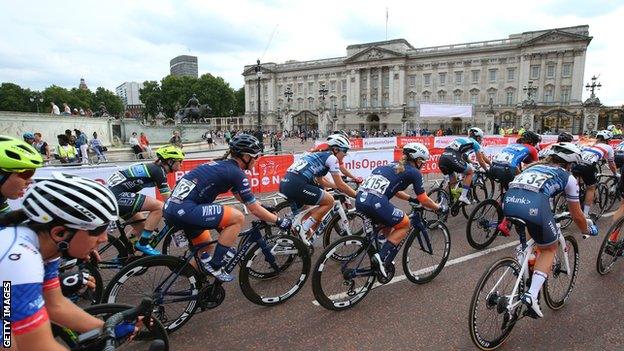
x=455, y=156
x=385, y=182
x=191, y=206
x=618, y=155
x=528, y=198
x=587, y=168
x=61, y=216
x=508, y=163
x=18, y=162
x=343, y=169
x=299, y=187
x=126, y=184
x=563, y=137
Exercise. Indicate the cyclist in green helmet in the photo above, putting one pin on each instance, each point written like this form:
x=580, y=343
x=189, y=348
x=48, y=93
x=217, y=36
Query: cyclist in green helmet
x=126, y=184
x=18, y=162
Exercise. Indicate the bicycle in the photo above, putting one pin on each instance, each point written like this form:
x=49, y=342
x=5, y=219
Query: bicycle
x=90, y=296
x=611, y=249
x=477, y=193
x=610, y=190
x=152, y=332
x=178, y=288
x=598, y=208
x=497, y=295
x=344, y=261
x=484, y=223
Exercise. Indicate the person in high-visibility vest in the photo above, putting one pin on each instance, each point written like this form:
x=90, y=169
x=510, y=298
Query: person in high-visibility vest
x=64, y=151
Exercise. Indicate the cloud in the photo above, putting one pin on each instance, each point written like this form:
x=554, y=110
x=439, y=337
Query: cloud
x=107, y=43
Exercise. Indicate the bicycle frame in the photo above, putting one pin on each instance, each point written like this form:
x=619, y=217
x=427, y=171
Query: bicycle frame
x=338, y=209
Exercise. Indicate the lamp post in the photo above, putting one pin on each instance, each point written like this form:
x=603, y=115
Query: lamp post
x=36, y=100
x=288, y=95
x=404, y=121
x=593, y=87
x=259, y=75
x=335, y=119
x=529, y=90
x=322, y=92
x=231, y=119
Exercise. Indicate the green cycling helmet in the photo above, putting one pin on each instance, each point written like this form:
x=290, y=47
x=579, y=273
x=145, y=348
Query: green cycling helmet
x=170, y=152
x=16, y=155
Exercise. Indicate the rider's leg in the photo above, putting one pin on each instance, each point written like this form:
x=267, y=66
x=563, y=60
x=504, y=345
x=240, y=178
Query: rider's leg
x=541, y=269
x=390, y=248
x=316, y=215
x=467, y=184
x=231, y=223
x=590, y=191
x=154, y=207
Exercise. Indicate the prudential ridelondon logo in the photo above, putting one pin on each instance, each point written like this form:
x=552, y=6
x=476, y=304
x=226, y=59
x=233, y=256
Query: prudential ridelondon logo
x=6, y=314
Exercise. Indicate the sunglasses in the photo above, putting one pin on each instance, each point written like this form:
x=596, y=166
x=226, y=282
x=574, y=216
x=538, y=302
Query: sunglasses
x=99, y=230
x=23, y=173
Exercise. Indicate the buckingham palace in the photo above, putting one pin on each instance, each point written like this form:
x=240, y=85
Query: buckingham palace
x=532, y=79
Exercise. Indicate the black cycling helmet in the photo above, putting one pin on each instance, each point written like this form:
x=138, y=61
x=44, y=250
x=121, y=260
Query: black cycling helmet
x=565, y=137
x=245, y=144
x=531, y=137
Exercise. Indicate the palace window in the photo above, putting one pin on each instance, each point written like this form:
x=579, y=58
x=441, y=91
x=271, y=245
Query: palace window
x=511, y=74
x=509, y=97
x=566, y=70
x=550, y=71
x=474, y=97
x=493, y=73
x=565, y=94
x=412, y=81
x=475, y=77
x=458, y=77
x=427, y=79
x=441, y=96
x=457, y=96
x=535, y=72
x=442, y=78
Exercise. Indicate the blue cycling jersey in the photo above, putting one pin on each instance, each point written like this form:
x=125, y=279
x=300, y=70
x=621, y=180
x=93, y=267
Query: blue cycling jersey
x=548, y=180
x=315, y=164
x=203, y=184
x=464, y=145
x=512, y=155
x=384, y=180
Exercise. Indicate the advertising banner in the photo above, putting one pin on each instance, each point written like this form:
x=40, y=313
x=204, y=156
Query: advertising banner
x=379, y=143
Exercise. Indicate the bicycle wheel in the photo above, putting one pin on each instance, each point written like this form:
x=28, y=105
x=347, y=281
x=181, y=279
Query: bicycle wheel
x=147, y=277
x=170, y=246
x=425, y=257
x=560, y=282
x=482, y=224
x=334, y=231
x=601, y=200
x=611, y=249
x=613, y=194
x=438, y=195
x=477, y=194
x=339, y=285
x=151, y=330
x=490, y=300
x=262, y=284
x=86, y=296
x=560, y=205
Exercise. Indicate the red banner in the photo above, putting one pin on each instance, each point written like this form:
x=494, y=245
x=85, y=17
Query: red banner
x=356, y=143
x=430, y=166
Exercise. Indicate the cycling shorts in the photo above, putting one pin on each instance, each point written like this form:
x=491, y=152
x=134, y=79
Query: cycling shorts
x=587, y=173
x=452, y=161
x=378, y=208
x=503, y=174
x=298, y=190
x=534, y=209
x=195, y=218
x=129, y=204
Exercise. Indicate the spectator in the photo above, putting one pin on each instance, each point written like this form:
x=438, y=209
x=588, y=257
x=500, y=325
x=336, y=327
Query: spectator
x=136, y=146
x=65, y=152
x=209, y=140
x=176, y=139
x=98, y=148
x=227, y=137
x=42, y=147
x=71, y=138
x=81, y=112
x=617, y=130
x=55, y=109
x=145, y=144
x=75, y=112
x=82, y=145
x=89, y=112
x=28, y=137
x=66, y=110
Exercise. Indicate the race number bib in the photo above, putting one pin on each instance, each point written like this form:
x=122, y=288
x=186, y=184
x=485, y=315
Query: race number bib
x=530, y=181
x=298, y=166
x=376, y=183
x=589, y=157
x=183, y=189
x=115, y=179
x=455, y=145
x=504, y=157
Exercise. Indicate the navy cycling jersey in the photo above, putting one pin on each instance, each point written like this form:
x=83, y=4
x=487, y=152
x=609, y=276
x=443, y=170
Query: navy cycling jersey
x=136, y=177
x=548, y=180
x=384, y=180
x=513, y=155
x=203, y=184
x=464, y=145
x=315, y=164
x=619, y=148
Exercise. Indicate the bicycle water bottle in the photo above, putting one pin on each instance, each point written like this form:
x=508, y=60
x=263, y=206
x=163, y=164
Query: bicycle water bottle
x=179, y=238
x=229, y=255
x=455, y=193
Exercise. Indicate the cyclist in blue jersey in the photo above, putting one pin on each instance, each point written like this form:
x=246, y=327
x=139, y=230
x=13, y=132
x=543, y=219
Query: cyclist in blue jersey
x=61, y=216
x=190, y=206
x=304, y=179
x=618, y=156
x=18, y=162
x=385, y=182
x=455, y=159
x=528, y=198
x=126, y=184
x=508, y=163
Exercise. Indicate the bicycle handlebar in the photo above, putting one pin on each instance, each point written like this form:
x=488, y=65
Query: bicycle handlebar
x=132, y=314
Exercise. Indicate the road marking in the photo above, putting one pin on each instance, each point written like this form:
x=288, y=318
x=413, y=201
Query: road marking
x=449, y=263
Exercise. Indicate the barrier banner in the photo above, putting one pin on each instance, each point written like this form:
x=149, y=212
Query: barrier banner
x=431, y=166
x=356, y=143
x=361, y=163
x=497, y=140
x=425, y=140
x=443, y=141
x=380, y=142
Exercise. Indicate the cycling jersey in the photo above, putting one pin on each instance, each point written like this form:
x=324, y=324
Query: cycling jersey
x=136, y=177
x=21, y=264
x=548, y=180
x=595, y=153
x=618, y=153
x=515, y=154
x=545, y=151
x=315, y=164
x=464, y=145
x=384, y=180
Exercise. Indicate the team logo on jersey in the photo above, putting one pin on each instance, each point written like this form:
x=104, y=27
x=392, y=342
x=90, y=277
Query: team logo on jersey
x=533, y=211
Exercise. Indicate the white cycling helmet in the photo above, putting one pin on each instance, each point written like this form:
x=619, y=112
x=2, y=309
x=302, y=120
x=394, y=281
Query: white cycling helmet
x=568, y=152
x=338, y=140
x=416, y=150
x=611, y=127
x=71, y=201
x=605, y=134
x=477, y=132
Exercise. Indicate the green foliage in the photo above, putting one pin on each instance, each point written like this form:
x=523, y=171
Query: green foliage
x=113, y=103
x=14, y=98
x=150, y=97
x=240, y=101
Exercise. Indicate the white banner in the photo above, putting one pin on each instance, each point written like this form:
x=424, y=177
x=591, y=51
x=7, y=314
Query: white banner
x=443, y=141
x=379, y=143
x=442, y=110
x=362, y=163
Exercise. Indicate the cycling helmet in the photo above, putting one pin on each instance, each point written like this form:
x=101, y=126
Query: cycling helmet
x=565, y=137
x=71, y=201
x=416, y=150
x=170, y=152
x=17, y=155
x=531, y=137
x=611, y=127
x=245, y=144
x=475, y=132
x=341, y=132
x=28, y=135
x=338, y=140
x=568, y=152
x=604, y=134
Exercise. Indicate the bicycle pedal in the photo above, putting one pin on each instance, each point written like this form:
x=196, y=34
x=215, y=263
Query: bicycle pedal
x=390, y=270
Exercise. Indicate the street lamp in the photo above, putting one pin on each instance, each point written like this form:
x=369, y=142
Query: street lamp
x=259, y=75
x=231, y=119
x=404, y=120
x=288, y=95
x=279, y=118
x=36, y=100
x=335, y=118
x=593, y=86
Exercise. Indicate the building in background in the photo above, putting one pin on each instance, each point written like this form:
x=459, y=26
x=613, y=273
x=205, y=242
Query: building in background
x=83, y=85
x=380, y=85
x=184, y=65
x=129, y=94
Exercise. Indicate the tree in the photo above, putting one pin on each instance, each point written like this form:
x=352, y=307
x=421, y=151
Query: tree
x=240, y=101
x=113, y=103
x=81, y=98
x=14, y=98
x=176, y=91
x=215, y=92
x=56, y=94
x=150, y=96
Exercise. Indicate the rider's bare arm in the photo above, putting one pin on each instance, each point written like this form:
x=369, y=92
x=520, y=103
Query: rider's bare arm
x=64, y=312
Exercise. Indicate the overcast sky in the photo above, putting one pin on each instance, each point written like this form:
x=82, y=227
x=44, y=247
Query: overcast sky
x=109, y=42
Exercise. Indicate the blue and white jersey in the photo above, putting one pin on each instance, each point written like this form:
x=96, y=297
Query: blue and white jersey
x=464, y=145
x=513, y=155
x=595, y=153
x=22, y=265
x=384, y=180
x=619, y=149
x=548, y=180
x=315, y=164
